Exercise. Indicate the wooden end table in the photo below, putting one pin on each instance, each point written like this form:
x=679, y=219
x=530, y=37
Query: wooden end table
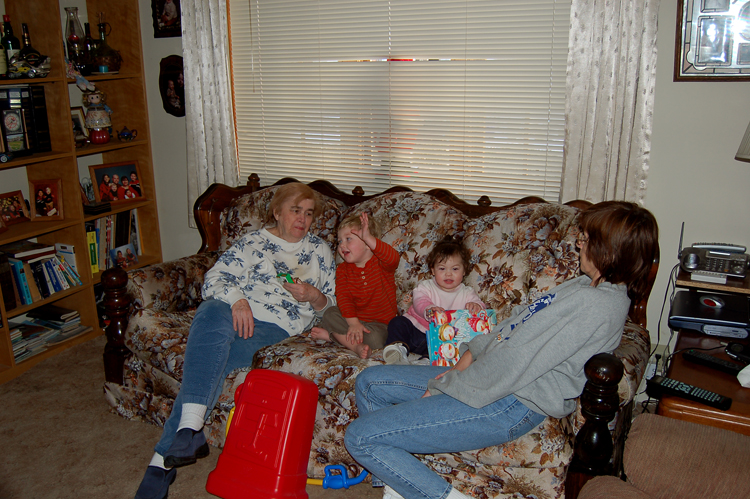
x=737, y=418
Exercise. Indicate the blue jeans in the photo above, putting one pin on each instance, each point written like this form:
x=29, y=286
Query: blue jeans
x=214, y=349
x=394, y=423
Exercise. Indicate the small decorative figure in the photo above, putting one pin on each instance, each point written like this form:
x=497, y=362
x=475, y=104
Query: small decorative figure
x=97, y=116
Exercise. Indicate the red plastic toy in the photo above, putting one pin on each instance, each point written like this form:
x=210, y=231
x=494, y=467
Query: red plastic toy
x=268, y=445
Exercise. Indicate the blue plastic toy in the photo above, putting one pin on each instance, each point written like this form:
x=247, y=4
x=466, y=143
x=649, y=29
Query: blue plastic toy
x=338, y=481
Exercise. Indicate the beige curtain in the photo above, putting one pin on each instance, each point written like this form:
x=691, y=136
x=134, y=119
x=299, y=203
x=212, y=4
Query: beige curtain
x=610, y=99
x=211, y=151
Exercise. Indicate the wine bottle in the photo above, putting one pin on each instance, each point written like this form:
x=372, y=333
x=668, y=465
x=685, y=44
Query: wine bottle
x=10, y=43
x=3, y=64
x=27, y=52
x=89, y=49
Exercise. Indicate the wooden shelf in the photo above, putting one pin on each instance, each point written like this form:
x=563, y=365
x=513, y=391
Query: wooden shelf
x=733, y=285
x=126, y=92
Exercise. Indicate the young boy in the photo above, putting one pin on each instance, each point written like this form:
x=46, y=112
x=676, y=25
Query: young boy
x=365, y=289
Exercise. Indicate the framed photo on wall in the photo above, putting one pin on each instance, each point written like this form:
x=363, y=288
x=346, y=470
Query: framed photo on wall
x=172, y=85
x=166, y=15
x=46, y=198
x=116, y=182
x=712, y=40
x=13, y=208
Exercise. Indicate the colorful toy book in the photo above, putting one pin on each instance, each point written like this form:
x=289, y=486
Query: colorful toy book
x=451, y=328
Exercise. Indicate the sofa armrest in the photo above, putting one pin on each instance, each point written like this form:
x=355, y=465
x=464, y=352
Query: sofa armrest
x=170, y=287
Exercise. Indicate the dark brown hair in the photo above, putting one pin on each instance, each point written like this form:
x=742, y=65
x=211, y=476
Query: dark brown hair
x=449, y=246
x=296, y=191
x=623, y=243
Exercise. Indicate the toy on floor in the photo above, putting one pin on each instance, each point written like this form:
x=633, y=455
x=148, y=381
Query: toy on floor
x=268, y=444
x=339, y=481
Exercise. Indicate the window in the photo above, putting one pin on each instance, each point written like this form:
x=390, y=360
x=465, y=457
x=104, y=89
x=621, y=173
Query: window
x=465, y=95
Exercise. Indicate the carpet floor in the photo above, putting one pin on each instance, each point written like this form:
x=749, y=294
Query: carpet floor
x=60, y=440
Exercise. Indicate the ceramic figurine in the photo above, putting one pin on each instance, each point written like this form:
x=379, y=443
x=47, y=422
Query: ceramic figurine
x=97, y=116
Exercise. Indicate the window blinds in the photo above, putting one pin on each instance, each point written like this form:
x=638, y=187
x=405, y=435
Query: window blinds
x=465, y=95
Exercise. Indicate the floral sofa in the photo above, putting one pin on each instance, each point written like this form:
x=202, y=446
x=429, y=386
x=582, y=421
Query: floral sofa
x=519, y=252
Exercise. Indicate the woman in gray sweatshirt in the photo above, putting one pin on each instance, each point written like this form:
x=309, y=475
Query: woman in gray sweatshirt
x=506, y=382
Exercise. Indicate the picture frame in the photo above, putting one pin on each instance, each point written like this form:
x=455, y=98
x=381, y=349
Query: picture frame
x=172, y=85
x=105, y=175
x=79, y=122
x=166, y=17
x=46, y=199
x=123, y=256
x=13, y=209
x=708, y=44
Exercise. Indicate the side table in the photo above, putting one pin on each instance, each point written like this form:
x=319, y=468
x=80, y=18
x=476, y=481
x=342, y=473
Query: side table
x=737, y=418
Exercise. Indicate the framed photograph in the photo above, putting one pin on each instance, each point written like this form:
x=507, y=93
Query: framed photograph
x=712, y=42
x=116, y=182
x=46, y=201
x=79, y=122
x=166, y=14
x=13, y=208
x=172, y=85
x=123, y=256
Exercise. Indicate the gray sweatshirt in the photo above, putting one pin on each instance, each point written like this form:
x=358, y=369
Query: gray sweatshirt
x=538, y=353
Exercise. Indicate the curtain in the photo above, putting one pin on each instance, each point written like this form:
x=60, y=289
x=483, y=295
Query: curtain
x=211, y=149
x=610, y=98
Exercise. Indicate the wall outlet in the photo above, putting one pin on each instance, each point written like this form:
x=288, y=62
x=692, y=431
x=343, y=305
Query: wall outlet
x=662, y=351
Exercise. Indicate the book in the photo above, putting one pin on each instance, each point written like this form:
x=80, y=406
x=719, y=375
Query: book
x=71, y=271
x=449, y=329
x=48, y=279
x=56, y=284
x=6, y=283
x=52, y=312
x=65, y=279
x=68, y=251
x=37, y=270
x=91, y=239
x=23, y=284
x=25, y=250
x=135, y=238
x=36, y=294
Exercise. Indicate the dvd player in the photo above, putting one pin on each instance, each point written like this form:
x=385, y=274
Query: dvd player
x=715, y=314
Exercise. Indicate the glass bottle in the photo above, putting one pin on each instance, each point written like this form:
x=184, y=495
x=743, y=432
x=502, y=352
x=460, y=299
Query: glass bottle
x=89, y=49
x=74, y=37
x=28, y=53
x=3, y=63
x=106, y=58
x=10, y=43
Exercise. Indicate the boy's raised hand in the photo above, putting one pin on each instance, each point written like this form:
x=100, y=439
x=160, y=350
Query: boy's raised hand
x=364, y=232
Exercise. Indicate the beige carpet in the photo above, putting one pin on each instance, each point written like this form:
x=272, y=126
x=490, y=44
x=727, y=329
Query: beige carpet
x=59, y=439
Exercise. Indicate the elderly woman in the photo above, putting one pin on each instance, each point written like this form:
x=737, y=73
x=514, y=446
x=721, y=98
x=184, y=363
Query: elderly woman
x=246, y=307
x=506, y=382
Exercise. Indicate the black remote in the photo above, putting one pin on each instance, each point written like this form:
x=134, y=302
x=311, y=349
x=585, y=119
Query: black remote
x=704, y=359
x=739, y=352
x=659, y=385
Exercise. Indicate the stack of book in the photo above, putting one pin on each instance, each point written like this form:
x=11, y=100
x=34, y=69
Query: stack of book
x=28, y=339
x=109, y=233
x=36, y=270
x=66, y=322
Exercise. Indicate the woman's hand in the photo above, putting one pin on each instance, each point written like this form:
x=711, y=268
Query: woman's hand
x=473, y=308
x=242, y=318
x=463, y=363
x=304, y=292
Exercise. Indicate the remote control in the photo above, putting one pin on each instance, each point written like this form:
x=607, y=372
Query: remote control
x=739, y=352
x=659, y=385
x=704, y=359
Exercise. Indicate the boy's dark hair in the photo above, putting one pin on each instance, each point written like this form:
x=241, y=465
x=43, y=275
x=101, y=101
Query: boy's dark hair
x=450, y=246
x=623, y=243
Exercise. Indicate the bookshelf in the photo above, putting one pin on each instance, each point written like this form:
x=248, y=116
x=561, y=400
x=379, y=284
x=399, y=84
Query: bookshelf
x=126, y=95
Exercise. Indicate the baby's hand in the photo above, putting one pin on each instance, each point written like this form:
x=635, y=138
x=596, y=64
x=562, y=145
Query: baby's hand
x=355, y=333
x=473, y=308
x=430, y=312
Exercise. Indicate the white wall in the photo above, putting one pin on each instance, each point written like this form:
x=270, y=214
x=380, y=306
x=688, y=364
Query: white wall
x=168, y=147
x=693, y=177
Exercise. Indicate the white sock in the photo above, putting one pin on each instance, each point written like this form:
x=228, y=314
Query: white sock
x=193, y=416
x=455, y=494
x=158, y=461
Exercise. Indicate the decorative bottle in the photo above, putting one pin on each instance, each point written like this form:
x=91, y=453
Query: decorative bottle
x=28, y=53
x=74, y=37
x=89, y=49
x=106, y=58
x=10, y=43
x=3, y=63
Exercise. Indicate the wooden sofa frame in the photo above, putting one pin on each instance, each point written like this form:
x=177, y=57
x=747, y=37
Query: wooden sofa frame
x=595, y=451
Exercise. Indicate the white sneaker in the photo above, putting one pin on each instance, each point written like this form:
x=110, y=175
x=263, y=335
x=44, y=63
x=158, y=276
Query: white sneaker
x=389, y=493
x=396, y=353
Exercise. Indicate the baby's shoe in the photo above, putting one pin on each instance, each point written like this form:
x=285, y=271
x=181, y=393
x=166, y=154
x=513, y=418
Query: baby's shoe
x=396, y=353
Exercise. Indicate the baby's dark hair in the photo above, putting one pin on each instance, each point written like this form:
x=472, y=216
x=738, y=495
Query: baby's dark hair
x=450, y=246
